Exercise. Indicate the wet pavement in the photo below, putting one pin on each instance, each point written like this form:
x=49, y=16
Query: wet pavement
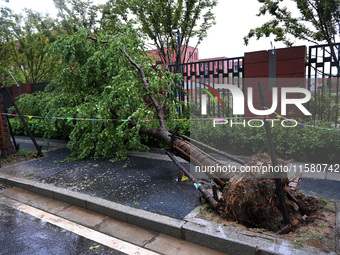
x=31, y=223
x=145, y=183
x=21, y=233
x=139, y=182
x=323, y=188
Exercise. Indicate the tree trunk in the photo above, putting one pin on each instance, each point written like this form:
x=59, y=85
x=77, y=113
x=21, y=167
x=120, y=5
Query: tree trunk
x=6, y=145
x=248, y=198
x=187, y=151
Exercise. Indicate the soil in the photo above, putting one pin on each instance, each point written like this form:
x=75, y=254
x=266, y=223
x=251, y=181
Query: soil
x=20, y=156
x=252, y=200
x=317, y=230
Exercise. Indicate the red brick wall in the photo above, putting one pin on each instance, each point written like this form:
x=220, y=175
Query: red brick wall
x=290, y=72
x=25, y=88
x=290, y=62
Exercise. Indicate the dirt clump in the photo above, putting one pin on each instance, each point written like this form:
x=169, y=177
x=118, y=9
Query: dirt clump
x=254, y=201
x=317, y=230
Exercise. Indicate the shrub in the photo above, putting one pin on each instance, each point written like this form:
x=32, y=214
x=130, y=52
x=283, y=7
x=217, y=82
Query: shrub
x=40, y=104
x=300, y=143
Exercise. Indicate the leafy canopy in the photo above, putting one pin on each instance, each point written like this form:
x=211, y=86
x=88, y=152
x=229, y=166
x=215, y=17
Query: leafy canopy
x=96, y=81
x=24, y=37
x=318, y=21
x=5, y=31
x=77, y=14
x=159, y=19
x=23, y=41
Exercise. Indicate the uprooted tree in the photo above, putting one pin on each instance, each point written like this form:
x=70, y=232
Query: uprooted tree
x=107, y=80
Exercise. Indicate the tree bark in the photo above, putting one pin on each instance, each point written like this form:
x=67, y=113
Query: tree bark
x=6, y=145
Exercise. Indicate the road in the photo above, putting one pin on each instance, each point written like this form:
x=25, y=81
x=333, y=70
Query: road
x=22, y=233
x=33, y=224
x=27, y=230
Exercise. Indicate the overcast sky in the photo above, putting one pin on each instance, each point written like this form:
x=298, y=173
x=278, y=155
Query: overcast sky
x=233, y=21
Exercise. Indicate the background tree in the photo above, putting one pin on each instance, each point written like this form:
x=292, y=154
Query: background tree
x=318, y=21
x=160, y=18
x=5, y=33
x=24, y=39
x=77, y=14
x=113, y=12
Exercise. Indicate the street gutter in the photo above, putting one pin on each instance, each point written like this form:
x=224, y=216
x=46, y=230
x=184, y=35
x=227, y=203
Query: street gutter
x=212, y=235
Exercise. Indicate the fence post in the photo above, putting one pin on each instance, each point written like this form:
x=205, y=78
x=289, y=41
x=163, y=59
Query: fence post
x=278, y=182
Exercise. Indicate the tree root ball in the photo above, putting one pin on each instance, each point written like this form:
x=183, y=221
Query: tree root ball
x=255, y=203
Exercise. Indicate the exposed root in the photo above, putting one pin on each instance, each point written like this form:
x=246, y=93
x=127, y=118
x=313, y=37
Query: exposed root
x=254, y=202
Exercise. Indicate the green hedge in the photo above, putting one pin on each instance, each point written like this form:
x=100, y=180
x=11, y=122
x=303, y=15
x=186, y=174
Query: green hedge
x=300, y=143
x=41, y=128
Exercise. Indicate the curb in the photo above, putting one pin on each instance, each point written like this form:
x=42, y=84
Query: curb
x=212, y=235
x=337, y=244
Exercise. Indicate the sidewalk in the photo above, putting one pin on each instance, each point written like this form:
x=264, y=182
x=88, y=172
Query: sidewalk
x=146, y=181
x=146, y=191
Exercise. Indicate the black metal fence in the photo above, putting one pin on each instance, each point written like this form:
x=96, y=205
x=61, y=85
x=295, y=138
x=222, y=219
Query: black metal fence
x=323, y=81
x=323, y=78
x=39, y=86
x=199, y=76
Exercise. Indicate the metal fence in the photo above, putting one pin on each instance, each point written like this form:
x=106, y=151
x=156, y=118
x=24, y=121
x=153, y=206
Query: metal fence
x=323, y=78
x=39, y=86
x=323, y=81
x=199, y=76
x=6, y=100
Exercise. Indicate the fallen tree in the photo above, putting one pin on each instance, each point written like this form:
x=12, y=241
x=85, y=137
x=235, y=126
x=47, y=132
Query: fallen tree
x=251, y=199
x=111, y=94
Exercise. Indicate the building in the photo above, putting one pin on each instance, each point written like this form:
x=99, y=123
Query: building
x=326, y=83
x=189, y=54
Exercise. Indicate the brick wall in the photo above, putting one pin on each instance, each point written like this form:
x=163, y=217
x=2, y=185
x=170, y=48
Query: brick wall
x=6, y=146
x=25, y=88
x=275, y=68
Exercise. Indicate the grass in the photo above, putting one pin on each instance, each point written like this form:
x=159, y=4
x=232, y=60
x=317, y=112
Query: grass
x=298, y=242
x=20, y=156
x=306, y=235
x=328, y=205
